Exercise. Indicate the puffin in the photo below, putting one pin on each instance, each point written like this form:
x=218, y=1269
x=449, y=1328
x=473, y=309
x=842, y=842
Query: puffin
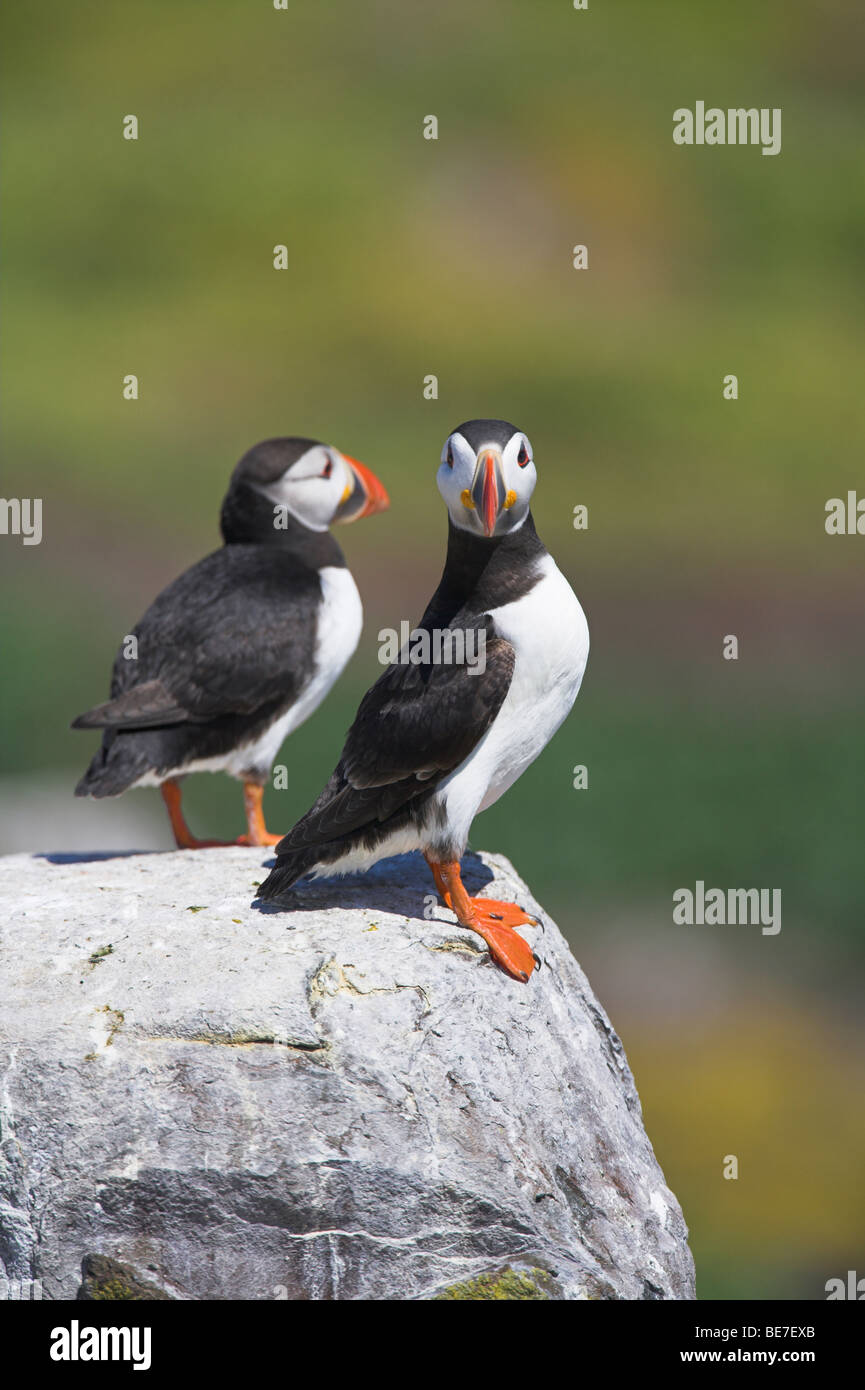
x=239, y=650
x=436, y=741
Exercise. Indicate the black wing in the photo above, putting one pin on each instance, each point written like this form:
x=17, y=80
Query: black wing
x=233, y=635
x=413, y=727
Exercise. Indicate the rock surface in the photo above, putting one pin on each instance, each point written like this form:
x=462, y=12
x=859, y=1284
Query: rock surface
x=340, y=1100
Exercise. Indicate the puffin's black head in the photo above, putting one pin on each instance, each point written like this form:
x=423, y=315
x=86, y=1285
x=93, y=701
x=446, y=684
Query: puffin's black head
x=314, y=483
x=487, y=477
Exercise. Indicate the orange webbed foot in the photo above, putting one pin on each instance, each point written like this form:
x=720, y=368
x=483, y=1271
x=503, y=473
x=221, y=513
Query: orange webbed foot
x=491, y=919
x=260, y=838
x=508, y=949
x=507, y=913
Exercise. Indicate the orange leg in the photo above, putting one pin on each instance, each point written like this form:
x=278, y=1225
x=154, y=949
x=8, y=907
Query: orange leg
x=493, y=920
x=258, y=833
x=183, y=836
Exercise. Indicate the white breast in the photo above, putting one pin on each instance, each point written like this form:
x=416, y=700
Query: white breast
x=550, y=637
x=340, y=620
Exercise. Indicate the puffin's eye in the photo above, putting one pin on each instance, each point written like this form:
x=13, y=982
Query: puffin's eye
x=328, y=469
x=523, y=456
x=450, y=456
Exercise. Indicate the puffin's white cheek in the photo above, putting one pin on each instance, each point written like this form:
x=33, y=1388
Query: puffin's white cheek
x=314, y=502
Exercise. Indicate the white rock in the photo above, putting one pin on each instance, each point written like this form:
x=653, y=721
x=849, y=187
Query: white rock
x=340, y=1100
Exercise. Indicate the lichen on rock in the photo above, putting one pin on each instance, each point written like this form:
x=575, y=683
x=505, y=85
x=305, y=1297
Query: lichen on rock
x=504, y=1284
x=106, y=1280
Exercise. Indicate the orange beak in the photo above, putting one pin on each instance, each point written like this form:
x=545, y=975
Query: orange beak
x=366, y=497
x=490, y=498
x=488, y=490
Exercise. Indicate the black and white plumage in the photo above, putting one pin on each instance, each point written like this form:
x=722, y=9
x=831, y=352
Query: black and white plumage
x=433, y=744
x=246, y=644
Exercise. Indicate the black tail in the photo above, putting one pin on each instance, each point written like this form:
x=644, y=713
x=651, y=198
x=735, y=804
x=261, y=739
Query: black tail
x=113, y=768
x=288, y=869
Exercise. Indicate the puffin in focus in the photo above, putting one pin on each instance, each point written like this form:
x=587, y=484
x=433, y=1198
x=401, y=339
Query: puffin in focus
x=244, y=646
x=433, y=743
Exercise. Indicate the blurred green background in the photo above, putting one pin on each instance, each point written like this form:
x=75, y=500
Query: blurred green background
x=706, y=517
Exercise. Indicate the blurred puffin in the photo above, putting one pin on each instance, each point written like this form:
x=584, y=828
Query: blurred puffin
x=246, y=644
x=433, y=744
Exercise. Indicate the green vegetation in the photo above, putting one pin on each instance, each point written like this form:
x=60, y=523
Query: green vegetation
x=99, y=954
x=506, y=1284
x=107, y=1280
x=113, y=1290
